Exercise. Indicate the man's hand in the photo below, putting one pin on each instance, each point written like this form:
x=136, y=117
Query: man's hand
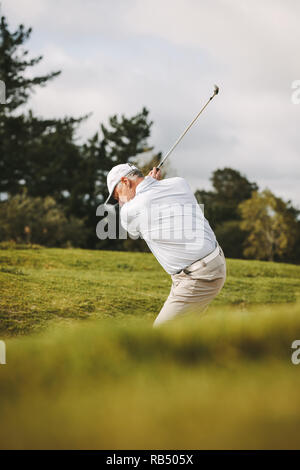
x=155, y=173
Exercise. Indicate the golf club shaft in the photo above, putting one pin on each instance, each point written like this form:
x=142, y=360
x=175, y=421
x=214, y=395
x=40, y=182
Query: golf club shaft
x=216, y=91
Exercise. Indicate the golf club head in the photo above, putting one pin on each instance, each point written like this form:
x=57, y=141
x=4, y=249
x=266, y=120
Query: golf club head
x=216, y=90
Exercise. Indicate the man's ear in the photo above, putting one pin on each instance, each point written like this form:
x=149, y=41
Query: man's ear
x=125, y=180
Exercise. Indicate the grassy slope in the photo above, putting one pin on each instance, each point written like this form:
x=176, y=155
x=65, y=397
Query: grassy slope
x=37, y=286
x=224, y=380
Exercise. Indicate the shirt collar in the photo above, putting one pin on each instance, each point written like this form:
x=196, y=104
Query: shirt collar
x=147, y=181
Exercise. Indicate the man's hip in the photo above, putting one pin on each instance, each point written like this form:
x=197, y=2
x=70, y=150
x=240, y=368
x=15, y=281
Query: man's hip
x=194, y=287
x=212, y=266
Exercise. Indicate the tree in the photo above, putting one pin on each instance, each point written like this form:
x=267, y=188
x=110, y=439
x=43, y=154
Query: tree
x=123, y=140
x=221, y=208
x=229, y=189
x=231, y=238
x=230, y=185
x=39, y=220
x=42, y=155
x=25, y=140
x=13, y=63
x=271, y=226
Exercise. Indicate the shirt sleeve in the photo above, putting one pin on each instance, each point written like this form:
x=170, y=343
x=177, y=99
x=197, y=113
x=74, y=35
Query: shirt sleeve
x=130, y=220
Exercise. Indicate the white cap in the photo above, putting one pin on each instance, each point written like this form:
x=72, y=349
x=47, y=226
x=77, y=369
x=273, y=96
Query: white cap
x=115, y=175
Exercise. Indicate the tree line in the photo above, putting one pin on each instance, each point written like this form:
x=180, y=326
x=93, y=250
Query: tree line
x=249, y=223
x=51, y=186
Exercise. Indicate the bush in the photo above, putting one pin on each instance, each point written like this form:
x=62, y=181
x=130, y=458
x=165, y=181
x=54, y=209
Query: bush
x=231, y=238
x=42, y=221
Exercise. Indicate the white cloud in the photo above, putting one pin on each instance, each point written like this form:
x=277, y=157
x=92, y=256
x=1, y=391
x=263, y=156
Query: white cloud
x=119, y=56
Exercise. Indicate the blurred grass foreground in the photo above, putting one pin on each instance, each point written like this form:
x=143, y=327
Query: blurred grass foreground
x=86, y=370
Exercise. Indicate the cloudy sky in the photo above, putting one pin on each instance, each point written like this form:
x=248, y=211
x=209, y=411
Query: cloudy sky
x=117, y=56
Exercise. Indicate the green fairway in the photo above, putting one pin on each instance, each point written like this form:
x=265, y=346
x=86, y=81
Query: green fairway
x=85, y=368
x=44, y=285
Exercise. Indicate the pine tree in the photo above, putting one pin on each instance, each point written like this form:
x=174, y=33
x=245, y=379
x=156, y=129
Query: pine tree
x=32, y=150
x=14, y=62
x=42, y=156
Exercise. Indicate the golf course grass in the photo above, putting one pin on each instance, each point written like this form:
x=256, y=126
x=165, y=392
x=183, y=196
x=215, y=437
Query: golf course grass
x=86, y=370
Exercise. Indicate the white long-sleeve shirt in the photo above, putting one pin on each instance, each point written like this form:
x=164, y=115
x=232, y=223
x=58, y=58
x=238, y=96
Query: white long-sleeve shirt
x=165, y=213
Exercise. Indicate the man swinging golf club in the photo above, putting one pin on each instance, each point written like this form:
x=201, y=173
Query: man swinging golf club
x=166, y=215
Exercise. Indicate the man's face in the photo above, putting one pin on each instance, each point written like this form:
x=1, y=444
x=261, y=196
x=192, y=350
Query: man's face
x=125, y=190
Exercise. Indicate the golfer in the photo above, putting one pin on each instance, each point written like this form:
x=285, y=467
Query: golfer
x=165, y=213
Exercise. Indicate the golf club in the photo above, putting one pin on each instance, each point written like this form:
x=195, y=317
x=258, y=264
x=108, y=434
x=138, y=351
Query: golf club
x=216, y=91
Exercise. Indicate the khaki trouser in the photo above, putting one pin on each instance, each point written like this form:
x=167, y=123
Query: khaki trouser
x=194, y=291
